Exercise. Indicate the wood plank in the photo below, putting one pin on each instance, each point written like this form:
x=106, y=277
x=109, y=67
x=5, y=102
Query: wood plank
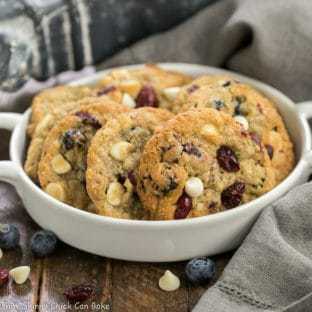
x=135, y=288
x=196, y=292
x=68, y=267
x=18, y=297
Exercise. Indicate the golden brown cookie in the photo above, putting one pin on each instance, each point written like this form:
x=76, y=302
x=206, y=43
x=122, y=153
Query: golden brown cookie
x=56, y=113
x=147, y=86
x=250, y=108
x=63, y=163
x=53, y=98
x=112, y=162
x=200, y=163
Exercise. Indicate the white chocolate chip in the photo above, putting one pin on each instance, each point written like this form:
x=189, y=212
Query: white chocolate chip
x=211, y=133
x=171, y=93
x=128, y=101
x=209, y=130
x=243, y=121
x=194, y=187
x=114, y=193
x=45, y=124
x=20, y=274
x=132, y=87
x=120, y=150
x=56, y=190
x=169, y=282
x=1, y=253
x=60, y=165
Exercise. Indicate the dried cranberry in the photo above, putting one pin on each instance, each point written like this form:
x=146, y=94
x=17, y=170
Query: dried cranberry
x=192, y=88
x=191, y=149
x=106, y=90
x=184, y=206
x=255, y=137
x=147, y=97
x=232, y=195
x=132, y=178
x=227, y=159
x=89, y=119
x=270, y=150
x=73, y=137
x=79, y=293
x=4, y=276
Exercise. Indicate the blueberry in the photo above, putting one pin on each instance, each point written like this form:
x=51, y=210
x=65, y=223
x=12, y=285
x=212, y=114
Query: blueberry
x=200, y=270
x=43, y=243
x=9, y=236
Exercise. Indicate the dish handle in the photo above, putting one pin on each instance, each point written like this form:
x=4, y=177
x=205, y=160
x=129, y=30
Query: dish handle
x=8, y=169
x=305, y=109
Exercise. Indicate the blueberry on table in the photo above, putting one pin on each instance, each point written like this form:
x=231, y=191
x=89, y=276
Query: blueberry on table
x=43, y=243
x=9, y=236
x=200, y=270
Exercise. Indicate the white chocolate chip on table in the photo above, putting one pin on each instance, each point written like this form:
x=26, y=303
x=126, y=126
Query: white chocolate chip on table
x=169, y=282
x=20, y=274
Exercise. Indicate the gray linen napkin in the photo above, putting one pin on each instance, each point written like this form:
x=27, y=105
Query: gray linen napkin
x=271, y=41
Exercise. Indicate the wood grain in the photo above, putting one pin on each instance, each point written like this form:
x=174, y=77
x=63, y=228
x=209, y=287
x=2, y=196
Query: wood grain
x=69, y=267
x=135, y=288
x=120, y=286
x=18, y=297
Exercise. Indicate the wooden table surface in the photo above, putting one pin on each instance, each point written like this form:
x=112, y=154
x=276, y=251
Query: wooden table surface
x=120, y=286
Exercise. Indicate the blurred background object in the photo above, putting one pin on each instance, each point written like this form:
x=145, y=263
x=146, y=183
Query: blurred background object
x=41, y=38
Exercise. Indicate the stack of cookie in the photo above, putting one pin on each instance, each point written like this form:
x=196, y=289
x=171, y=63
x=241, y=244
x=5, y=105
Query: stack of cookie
x=154, y=144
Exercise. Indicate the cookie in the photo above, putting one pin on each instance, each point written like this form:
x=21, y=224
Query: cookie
x=250, y=108
x=63, y=163
x=147, y=86
x=112, y=161
x=56, y=113
x=200, y=163
x=53, y=98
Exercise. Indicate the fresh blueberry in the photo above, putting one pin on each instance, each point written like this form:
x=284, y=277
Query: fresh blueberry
x=43, y=243
x=200, y=270
x=9, y=236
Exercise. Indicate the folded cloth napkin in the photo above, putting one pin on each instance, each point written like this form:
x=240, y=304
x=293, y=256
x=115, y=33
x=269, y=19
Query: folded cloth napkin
x=271, y=41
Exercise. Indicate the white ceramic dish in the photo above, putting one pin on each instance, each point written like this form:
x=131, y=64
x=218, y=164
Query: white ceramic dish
x=155, y=240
